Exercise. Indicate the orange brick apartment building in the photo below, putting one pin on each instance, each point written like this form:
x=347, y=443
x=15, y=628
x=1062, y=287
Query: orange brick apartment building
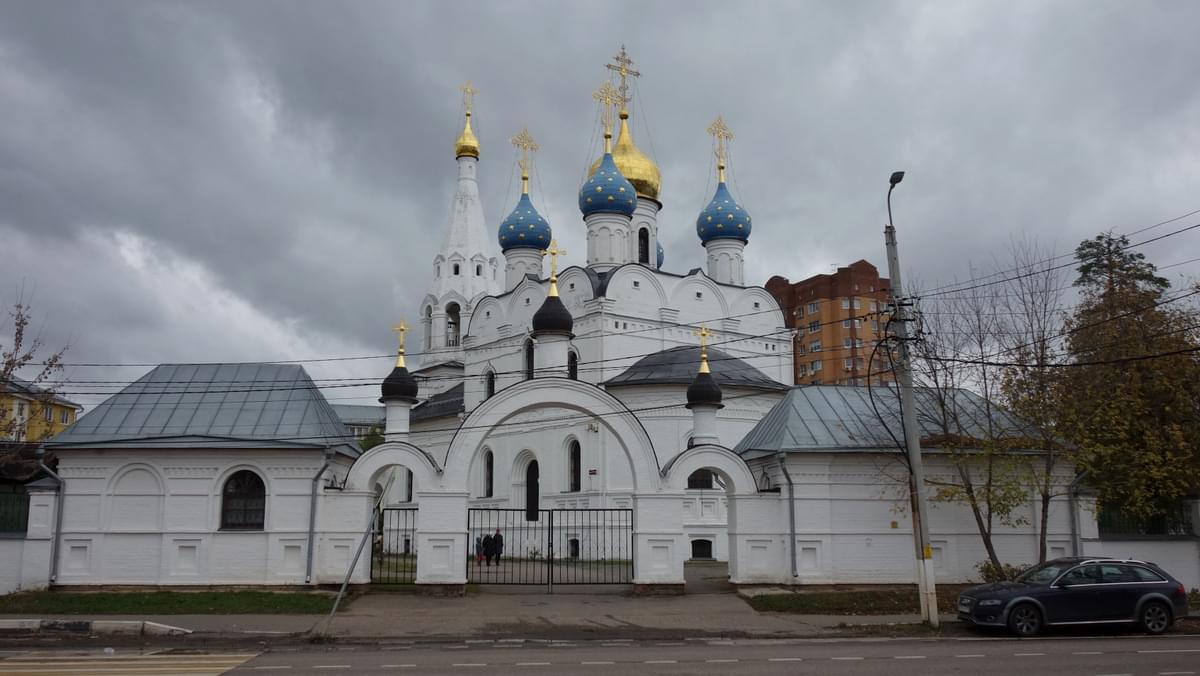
x=839, y=318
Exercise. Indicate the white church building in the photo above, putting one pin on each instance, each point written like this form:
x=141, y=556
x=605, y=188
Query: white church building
x=611, y=421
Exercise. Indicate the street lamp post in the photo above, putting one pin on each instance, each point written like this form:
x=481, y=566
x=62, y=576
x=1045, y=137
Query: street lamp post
x=908, y=412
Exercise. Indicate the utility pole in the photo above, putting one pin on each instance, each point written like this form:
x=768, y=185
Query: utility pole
x=908, y=412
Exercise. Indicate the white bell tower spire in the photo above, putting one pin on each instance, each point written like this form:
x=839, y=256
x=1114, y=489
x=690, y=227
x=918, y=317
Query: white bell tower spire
x=465, y=266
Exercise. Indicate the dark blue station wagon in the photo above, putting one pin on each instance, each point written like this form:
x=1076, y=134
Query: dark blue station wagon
x=1078, y=590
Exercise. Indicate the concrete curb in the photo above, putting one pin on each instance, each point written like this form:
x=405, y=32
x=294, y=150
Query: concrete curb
x=119, y=627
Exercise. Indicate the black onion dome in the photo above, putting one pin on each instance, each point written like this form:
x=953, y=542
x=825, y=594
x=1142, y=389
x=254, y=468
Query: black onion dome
x=552, y=317
x=704, y=390
x=399, y=384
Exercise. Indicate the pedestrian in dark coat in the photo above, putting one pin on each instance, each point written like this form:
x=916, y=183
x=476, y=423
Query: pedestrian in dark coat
x=488, y=548
x=497, y=545
x=478, y=550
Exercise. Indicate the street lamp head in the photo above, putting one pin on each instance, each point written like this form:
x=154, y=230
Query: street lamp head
x=897, y=176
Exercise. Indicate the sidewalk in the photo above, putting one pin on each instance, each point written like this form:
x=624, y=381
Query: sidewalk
x=492, y=615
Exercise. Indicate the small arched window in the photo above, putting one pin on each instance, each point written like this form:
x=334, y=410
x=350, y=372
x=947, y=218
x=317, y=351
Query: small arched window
x=489, y=465
x=478, y=270
x=529, y=359
x=572, y=366
x=489, y=384
x=574, y=468
x=644, y=246
x=456, y=269
x=243, y=502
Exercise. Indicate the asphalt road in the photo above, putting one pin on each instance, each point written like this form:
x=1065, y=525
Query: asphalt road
x=1110, y=655
x=1074, y=656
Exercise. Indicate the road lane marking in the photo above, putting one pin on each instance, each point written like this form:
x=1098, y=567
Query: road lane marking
x=785, y=659
x=595, y=662
x=1175, y=673
x=845, y=658
x=908, y=657
x=1172, y=650
x=660, y=662
x=275, y=666
x=1028, y=654
x=972, y=655
x=720, y=661
x=331, y=666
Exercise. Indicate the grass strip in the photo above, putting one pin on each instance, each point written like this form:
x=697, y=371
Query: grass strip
x=167, y=603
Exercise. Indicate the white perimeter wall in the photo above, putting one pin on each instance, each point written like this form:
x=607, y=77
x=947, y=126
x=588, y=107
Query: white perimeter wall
x=1178, y=556
x=153, y=517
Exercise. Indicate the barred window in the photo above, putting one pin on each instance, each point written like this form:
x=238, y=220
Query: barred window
x=243, y=502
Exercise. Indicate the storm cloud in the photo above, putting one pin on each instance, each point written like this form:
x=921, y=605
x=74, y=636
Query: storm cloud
x=267, y=180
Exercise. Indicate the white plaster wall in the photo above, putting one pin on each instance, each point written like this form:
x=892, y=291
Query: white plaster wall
x=152, y=517
x=853, y=524
x=11, y=551
x=1178, y=556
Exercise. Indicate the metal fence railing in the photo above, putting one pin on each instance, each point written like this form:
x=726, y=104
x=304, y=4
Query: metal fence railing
x=14, y=510
x=1176, y=522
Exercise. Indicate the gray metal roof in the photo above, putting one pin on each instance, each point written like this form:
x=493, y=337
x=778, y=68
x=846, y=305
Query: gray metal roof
x=440, y=405
x=22, y=387
x=354, y=414
x=832, y=418
x=678, y=365
x=213, y=406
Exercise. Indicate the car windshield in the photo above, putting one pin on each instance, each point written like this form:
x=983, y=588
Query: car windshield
x=1043, y=574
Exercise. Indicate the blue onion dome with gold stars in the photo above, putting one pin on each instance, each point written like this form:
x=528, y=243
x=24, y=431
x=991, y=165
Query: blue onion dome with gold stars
x=524, y=227
x=662, y=255
x=607, y=191
x=723, y=218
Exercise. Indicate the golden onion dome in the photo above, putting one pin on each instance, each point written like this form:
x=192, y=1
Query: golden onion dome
x=635, y=166
x=467, y=145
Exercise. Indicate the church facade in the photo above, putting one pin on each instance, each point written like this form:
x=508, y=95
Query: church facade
x=614, y=412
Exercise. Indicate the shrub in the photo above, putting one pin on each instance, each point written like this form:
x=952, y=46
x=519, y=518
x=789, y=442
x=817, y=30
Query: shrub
x=990, y=572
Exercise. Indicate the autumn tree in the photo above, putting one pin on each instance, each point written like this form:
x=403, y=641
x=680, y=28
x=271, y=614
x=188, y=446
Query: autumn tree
x=1131, y=398
x=21, y=355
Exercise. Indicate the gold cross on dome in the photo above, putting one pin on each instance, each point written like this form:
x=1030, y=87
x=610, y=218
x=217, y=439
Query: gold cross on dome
x=704, y=334
x=721, y=137
x=554, y=252
x=525, y=143
x=468, y=93
x=621, y=66
x=400, y=330
x=608, y=97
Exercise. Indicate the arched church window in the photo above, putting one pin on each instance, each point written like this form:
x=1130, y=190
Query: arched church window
x=456, y=269
x=572, y=366
x=489, y=465
x=533, y=492
x=408, y=486
x=701, y=479
x=529, y=359
x=478, y=270
x=243, y=502
x=429, y=327
x=452, y=319
x=574, y=467
x=644, y=246
x=489, y=384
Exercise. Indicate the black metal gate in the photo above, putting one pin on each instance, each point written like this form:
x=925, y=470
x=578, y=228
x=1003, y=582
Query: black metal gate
x=550, y=546
x=394, y=546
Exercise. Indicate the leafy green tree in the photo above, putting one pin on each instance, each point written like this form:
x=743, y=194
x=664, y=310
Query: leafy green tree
x=372, y=439
x=1131, y=403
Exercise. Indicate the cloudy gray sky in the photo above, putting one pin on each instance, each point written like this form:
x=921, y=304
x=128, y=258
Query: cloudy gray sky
x=252, y=180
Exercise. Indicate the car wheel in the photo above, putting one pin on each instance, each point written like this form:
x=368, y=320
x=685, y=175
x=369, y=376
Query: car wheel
x=1025, y=620
x=1155, y=617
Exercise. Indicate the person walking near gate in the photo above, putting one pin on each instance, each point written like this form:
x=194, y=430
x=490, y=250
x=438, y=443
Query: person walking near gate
x=478, y=550
x=488, y=548
x=497, y=546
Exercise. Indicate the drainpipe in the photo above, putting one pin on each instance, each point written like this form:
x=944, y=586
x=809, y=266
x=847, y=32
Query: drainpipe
x=312, y=513
x=1073, y=503
x=791, y=510
x=58, y=512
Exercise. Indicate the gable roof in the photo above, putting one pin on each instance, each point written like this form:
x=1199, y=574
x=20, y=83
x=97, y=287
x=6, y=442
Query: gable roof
x=678, y=366
x=449, y=402
x=23, y=388
x=836, y=418
x=360, y=414
x=213, y=406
